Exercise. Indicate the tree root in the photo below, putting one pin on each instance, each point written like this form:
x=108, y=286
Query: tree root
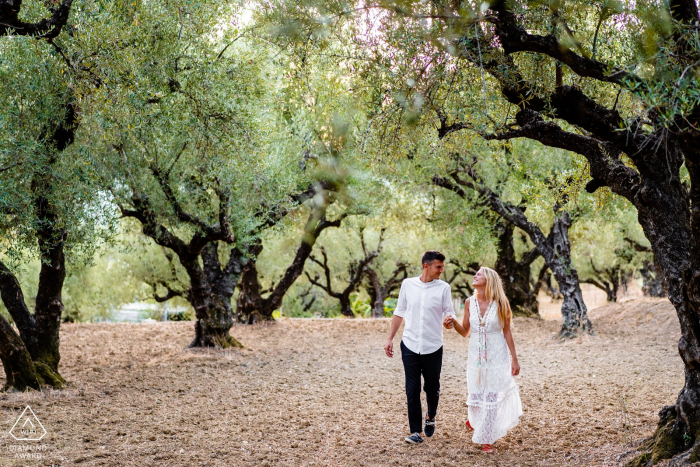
x=256, y=317
x=228, y=342
x=35, y=376
x=525, y=313
x=50, y=377
x=571, y=333
x=216, y=341
x=669, y=440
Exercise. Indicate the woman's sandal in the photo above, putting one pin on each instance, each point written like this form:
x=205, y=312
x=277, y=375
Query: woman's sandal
x=487, y=448
x=469, y=426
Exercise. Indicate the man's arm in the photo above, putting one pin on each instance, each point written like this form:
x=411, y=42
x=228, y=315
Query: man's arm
x=399, y=312
x=447, y=308
x=393, y=329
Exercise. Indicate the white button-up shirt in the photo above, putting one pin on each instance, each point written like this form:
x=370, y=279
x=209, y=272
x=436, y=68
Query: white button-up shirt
x=423, y=306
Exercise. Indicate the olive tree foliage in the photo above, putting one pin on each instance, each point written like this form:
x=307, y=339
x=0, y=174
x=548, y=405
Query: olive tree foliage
x=51, y=207
x=525, y=186
x=314, y=97
x=613, y=82
x=525, y=190
x=380, y=79
x=192, y=146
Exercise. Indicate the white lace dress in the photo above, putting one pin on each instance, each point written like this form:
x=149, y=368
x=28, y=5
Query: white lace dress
x=494, y=399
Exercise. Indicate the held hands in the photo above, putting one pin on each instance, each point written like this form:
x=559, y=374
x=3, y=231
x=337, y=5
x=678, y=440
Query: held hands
x=515, y=368
x=449, y=322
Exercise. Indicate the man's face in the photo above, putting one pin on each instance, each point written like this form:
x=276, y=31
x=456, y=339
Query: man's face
x=434, y=269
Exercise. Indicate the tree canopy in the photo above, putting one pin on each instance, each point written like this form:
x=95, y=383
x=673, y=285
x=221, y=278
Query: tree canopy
x=247, y=158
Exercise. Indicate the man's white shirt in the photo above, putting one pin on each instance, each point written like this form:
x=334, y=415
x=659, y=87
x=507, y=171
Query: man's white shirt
x=423, y=306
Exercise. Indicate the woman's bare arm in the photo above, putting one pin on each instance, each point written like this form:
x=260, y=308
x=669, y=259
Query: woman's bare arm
x=514, y=365
x=463, y=328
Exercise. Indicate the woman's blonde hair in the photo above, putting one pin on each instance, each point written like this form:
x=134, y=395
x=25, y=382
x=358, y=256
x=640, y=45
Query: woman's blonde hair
x=494, y=293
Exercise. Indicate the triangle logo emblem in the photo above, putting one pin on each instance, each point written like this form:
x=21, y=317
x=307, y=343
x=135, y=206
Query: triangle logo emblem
x=28, y=427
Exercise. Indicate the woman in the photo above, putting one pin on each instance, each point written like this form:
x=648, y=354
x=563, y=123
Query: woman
x=494, y=400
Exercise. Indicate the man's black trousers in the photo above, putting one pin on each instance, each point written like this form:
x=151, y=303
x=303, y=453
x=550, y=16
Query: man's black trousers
x=429, y=365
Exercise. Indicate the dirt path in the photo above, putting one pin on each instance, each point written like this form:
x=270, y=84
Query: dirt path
x=321, y=392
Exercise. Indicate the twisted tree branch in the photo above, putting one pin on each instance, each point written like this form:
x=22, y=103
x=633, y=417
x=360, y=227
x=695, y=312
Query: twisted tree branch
x=47, y=28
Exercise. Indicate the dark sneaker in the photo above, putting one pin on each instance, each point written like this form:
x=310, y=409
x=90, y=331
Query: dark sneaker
x=414, y=438
x=429, y=426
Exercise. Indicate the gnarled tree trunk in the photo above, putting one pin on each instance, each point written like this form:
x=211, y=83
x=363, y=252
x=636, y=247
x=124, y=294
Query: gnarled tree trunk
x=249, y=307
x=28, y=361
x=653, y=281
x=653, y=284
x=210, y=292
x=356, y=270
x=44, y=347
x=555, y=248
x=211, y=289
x=211, y=286
x=380, y=292
x=345, y=306
x=668, y=224
x=20, y=371
x=32, y=358
x=252, y=306
x=609, y=280
x=519, y=287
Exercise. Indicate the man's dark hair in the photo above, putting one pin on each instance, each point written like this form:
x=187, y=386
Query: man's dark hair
x=430, y=256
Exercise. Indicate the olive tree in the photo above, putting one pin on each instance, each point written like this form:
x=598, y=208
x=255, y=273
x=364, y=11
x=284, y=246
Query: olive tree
x=194, y=148
x=614, y=83
x=48, y=200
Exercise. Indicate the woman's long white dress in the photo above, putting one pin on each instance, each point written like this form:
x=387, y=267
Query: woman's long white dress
x=494, y=405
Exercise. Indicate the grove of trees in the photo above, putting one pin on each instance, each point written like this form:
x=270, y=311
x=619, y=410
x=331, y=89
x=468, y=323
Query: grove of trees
x=250, y=160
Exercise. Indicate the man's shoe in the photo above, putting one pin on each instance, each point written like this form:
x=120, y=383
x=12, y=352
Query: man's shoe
x=429, y=426
x=414, y=438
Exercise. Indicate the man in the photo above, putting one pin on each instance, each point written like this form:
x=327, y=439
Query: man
x=424, y=302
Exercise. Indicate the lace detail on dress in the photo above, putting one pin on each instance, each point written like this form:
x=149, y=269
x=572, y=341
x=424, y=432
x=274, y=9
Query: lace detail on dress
x=488, y=422
x=482, y=363
x=494, y=399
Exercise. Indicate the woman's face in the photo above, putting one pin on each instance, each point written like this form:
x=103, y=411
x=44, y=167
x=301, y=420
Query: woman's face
x=479, y=279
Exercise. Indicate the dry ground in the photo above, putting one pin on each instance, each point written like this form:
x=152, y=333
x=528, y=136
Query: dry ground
x=321, y=392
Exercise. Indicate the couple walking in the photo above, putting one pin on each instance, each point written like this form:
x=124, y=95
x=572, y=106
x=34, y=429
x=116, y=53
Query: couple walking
x=425, y=304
